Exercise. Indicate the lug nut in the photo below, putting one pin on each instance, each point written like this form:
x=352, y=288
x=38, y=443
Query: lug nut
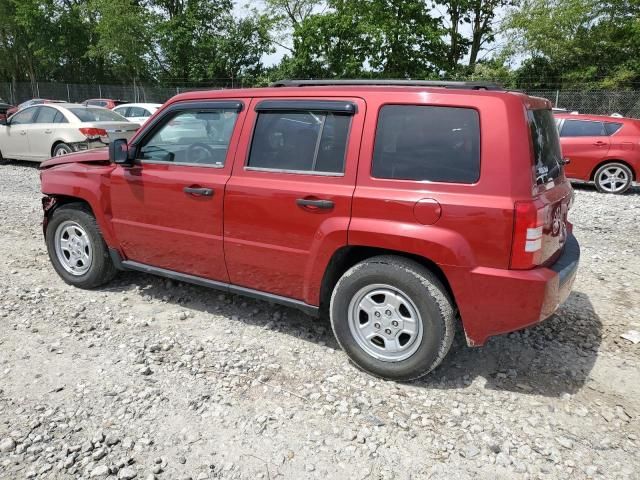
x=394, y=323
x=377, y=325
x=377, y=314
x=387, y=331
x=388, y=313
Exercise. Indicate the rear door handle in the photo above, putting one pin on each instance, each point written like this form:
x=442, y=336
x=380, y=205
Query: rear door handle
x=198, y=191
x=308, y=202
x=600, y=144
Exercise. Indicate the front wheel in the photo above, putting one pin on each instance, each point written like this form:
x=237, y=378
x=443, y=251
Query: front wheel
x=613, y=177
x=393, y=318
x=76, y=247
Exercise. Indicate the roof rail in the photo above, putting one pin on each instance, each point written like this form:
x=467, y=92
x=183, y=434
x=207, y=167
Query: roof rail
x=397, y=83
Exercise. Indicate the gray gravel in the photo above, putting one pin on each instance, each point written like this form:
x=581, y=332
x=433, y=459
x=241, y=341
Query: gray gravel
x=153, y=379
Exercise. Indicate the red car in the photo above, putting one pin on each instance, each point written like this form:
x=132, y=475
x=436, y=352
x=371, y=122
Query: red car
x=397, y=207
x=28, y=103
x=603, y=150
x=104, y=102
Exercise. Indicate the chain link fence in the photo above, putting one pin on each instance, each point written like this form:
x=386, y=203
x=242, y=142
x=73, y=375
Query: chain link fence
x=605, y=102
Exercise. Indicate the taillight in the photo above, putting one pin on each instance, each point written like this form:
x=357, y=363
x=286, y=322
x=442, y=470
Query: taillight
x=526, y=250
x=92, y=133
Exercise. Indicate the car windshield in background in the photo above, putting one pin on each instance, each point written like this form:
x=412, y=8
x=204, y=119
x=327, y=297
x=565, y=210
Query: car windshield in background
x=96, y=115
x=546, y=145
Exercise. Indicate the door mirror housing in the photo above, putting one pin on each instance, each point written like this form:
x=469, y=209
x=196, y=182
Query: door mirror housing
x=119, y=152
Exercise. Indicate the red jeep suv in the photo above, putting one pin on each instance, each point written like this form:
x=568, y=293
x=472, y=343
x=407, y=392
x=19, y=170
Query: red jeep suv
x=599, y=149
x=398, y=207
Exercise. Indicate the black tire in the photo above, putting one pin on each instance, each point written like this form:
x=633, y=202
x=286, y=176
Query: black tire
x=4, y=161
x=625, y=172
x=101, y=269
x=62, y=149
x=430, y=299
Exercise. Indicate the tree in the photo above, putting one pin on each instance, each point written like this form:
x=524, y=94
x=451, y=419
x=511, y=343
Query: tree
x=479, y=16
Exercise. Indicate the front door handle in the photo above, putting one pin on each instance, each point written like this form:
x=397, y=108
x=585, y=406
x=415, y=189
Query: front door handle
x=599, y=143
x=198, y=191
x=48, y=131
x=315, y=203
x=23, y=132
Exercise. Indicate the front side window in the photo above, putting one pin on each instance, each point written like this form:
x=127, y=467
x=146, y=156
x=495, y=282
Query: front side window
x=199, y=137
x=582, y=128
x=138, y=112
x=300, y=141
x=425, y=143
x=23, y=116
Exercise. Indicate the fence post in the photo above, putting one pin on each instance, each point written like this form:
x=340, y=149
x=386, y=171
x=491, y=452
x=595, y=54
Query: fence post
x=13, y=101
x=68, y=94
x=557, y=97
x=99, y=91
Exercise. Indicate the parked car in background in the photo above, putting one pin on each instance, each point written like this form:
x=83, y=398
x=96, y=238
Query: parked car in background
x=137, y=112
x=395, y=207
x=43, y=131
x=28, y=103
x=103, y=102
x=601, y=149
x=4, y=107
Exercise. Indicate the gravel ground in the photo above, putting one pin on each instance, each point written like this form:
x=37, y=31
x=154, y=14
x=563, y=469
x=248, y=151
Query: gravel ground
x=150, y=378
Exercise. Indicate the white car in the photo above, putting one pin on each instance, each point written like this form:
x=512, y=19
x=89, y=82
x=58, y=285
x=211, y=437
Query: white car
x=137, y=112
x=39, y=132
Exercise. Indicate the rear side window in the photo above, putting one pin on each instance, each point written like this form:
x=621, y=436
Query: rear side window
x=89, y=114
x=437, y=144
x=300, y=141
x=546, y=145
x=582, y=128
x=611, y=127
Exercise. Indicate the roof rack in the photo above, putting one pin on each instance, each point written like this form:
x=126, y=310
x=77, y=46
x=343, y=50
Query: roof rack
x=397, y=83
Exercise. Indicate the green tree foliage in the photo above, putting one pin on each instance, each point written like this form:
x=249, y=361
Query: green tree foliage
x=577, y=43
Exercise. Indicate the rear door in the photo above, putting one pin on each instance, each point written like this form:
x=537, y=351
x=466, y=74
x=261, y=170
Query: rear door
x=167, y=207
x=46, y=130
x=288, y=203
x=585, y=143
x=552, y=191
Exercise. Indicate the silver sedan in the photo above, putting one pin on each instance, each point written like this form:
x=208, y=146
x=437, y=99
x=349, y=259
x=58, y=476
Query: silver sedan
x=39, y=132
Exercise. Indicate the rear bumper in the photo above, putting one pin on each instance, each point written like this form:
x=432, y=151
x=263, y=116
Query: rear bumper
x=496, y=301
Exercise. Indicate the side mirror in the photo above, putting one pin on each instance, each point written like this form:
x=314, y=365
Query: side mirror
x=119, y=152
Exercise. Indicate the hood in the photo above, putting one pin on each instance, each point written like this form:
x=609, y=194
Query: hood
x=96, y=155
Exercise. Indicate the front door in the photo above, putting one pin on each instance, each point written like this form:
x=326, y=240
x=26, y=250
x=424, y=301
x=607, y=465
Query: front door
x=15, y=142
x=585, y=143
x=167, y=208
x=288, y=203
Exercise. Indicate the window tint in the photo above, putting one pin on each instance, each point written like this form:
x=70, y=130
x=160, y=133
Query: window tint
x=582, y=128
x=46, y=115
x=439, y=144
x=88, y=114
x=23, y=116
x=302, y=141
x=122, y=111
x=611, y=127
x=192, y=137
x=546, y=145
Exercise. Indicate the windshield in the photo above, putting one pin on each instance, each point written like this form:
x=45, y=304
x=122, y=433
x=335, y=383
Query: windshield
x=97, y=115
x=546, y=145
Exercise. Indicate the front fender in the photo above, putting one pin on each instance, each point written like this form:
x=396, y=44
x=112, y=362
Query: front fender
x=86, y=182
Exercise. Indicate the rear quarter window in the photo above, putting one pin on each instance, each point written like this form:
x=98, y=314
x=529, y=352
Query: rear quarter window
x=427, y=143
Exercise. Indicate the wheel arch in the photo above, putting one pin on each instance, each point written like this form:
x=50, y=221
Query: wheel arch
x=55, y=144
x=347, y=256
x=634, y=176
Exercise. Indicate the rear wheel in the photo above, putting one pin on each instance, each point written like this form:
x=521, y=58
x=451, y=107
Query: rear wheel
x=76, y=247
x=613, y=177
x=392, y=317
x=61, y=149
